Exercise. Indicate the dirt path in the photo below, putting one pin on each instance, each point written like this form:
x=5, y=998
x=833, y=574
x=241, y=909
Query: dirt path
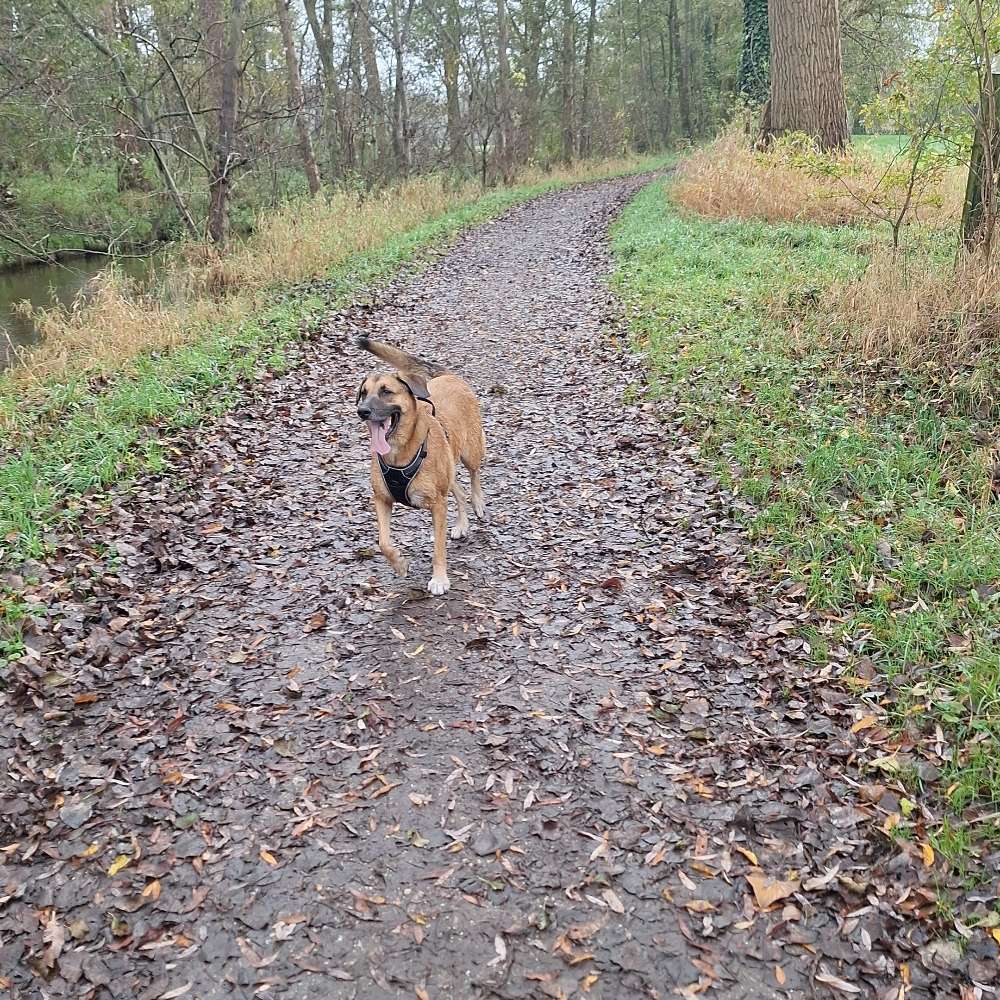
x=311, y=781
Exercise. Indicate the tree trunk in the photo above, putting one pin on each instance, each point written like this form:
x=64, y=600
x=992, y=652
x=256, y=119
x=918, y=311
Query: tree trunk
x=505, y=124
x=755, y=61
x=666, y=99
x=680, y=64
x=220, y=184
x=333, y=114
x=296, y=99
x=807, y=71
x=566, y=73
x=450, y=48
x=373, y=83
x=400, y=105
x=534, y=18
x=586, y=113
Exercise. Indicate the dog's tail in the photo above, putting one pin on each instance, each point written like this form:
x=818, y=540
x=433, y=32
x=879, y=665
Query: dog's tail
x=400, y=360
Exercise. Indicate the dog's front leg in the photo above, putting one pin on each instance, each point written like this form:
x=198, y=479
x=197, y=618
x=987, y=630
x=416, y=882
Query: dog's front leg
x=439, y=582
x=383, y=511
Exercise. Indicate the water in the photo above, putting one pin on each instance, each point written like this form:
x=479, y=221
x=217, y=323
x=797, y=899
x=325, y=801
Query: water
x=47, y=285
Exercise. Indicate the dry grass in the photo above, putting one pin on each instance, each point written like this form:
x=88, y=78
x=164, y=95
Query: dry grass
x=730, y=180
x=929, y=315
x=115, y=321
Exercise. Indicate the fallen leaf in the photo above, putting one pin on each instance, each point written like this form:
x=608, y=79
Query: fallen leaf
x=768, y=891
x=119, y=864
x=864, y=723
x=180, y=991
x=699, y=906
x=748, y=854
x=54, y=937
x=821, y=881
x=268, y=858
x=611, y=898
x=837, y=983
x=927, y=853
x=253, y=958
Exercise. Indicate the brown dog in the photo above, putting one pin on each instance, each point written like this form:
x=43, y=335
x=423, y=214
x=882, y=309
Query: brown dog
x=422, y=421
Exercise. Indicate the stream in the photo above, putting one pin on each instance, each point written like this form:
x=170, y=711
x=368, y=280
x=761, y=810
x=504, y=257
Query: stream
x=47, y=285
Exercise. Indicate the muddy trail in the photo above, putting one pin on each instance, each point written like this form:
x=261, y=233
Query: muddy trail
x=243, y=760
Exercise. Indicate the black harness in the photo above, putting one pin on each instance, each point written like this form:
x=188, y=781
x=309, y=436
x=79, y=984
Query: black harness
x=397, y=479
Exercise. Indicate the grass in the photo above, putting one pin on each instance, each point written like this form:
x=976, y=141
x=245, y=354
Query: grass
x=793, y=182
x=70, y=430
x=79, y=208
x=871, y=487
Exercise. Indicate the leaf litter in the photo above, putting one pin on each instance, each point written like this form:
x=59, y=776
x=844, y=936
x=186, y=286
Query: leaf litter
x=243, y=760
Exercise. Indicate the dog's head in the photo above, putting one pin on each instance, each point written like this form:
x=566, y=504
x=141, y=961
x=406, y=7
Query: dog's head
x=387, y=402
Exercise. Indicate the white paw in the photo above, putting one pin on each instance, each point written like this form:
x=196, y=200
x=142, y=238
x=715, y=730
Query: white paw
x=460, y=530
x=438, y=585
x=480, y=509
x=401, y=567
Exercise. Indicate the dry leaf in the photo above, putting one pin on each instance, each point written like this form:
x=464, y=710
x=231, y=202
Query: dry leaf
x=821, y=881
x=54, y=937
x=768, y=891
x=180, y=991
x=836, y=982
x=864, y=723
x=251, y=957
x=613, y=901
x=748, y=854
x=779, y=975
x=699, y=906
x=927, y=853
x=268, y=858
x=121, y=862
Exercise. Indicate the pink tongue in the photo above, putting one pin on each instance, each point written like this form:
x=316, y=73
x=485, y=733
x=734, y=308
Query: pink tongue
x=380, y=446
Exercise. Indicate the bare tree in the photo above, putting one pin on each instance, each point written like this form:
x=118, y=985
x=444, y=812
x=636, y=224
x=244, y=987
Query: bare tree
x=221, y=180
x=505, y=135
x=567, y=68
x=296, y=100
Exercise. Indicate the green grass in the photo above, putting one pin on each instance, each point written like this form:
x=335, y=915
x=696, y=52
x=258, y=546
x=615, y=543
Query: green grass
x=81, y=209
x=77, y=437
x=884, y=145
x=870, y=488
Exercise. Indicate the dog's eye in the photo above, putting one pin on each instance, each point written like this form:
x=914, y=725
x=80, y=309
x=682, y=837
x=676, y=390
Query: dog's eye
x=385, y=391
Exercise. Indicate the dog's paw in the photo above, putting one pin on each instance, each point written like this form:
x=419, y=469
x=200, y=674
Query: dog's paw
x=438, y=585
x=480, y=509
x=400, y=566
x=460, y=531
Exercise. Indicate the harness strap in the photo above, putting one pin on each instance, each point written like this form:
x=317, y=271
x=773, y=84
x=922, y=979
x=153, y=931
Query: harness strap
x=397, y=479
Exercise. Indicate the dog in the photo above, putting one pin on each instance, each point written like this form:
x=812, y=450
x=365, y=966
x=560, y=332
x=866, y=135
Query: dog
x=422, y=420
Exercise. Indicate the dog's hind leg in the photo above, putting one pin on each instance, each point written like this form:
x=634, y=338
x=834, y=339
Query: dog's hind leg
x=472, y=459
x=478, y=504
x=383, y=511
x=461, y=529
x=439, y=582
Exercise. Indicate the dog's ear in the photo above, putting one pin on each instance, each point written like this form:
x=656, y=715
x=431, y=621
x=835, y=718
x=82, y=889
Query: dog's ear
x=361, y=388
x=416, y=384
